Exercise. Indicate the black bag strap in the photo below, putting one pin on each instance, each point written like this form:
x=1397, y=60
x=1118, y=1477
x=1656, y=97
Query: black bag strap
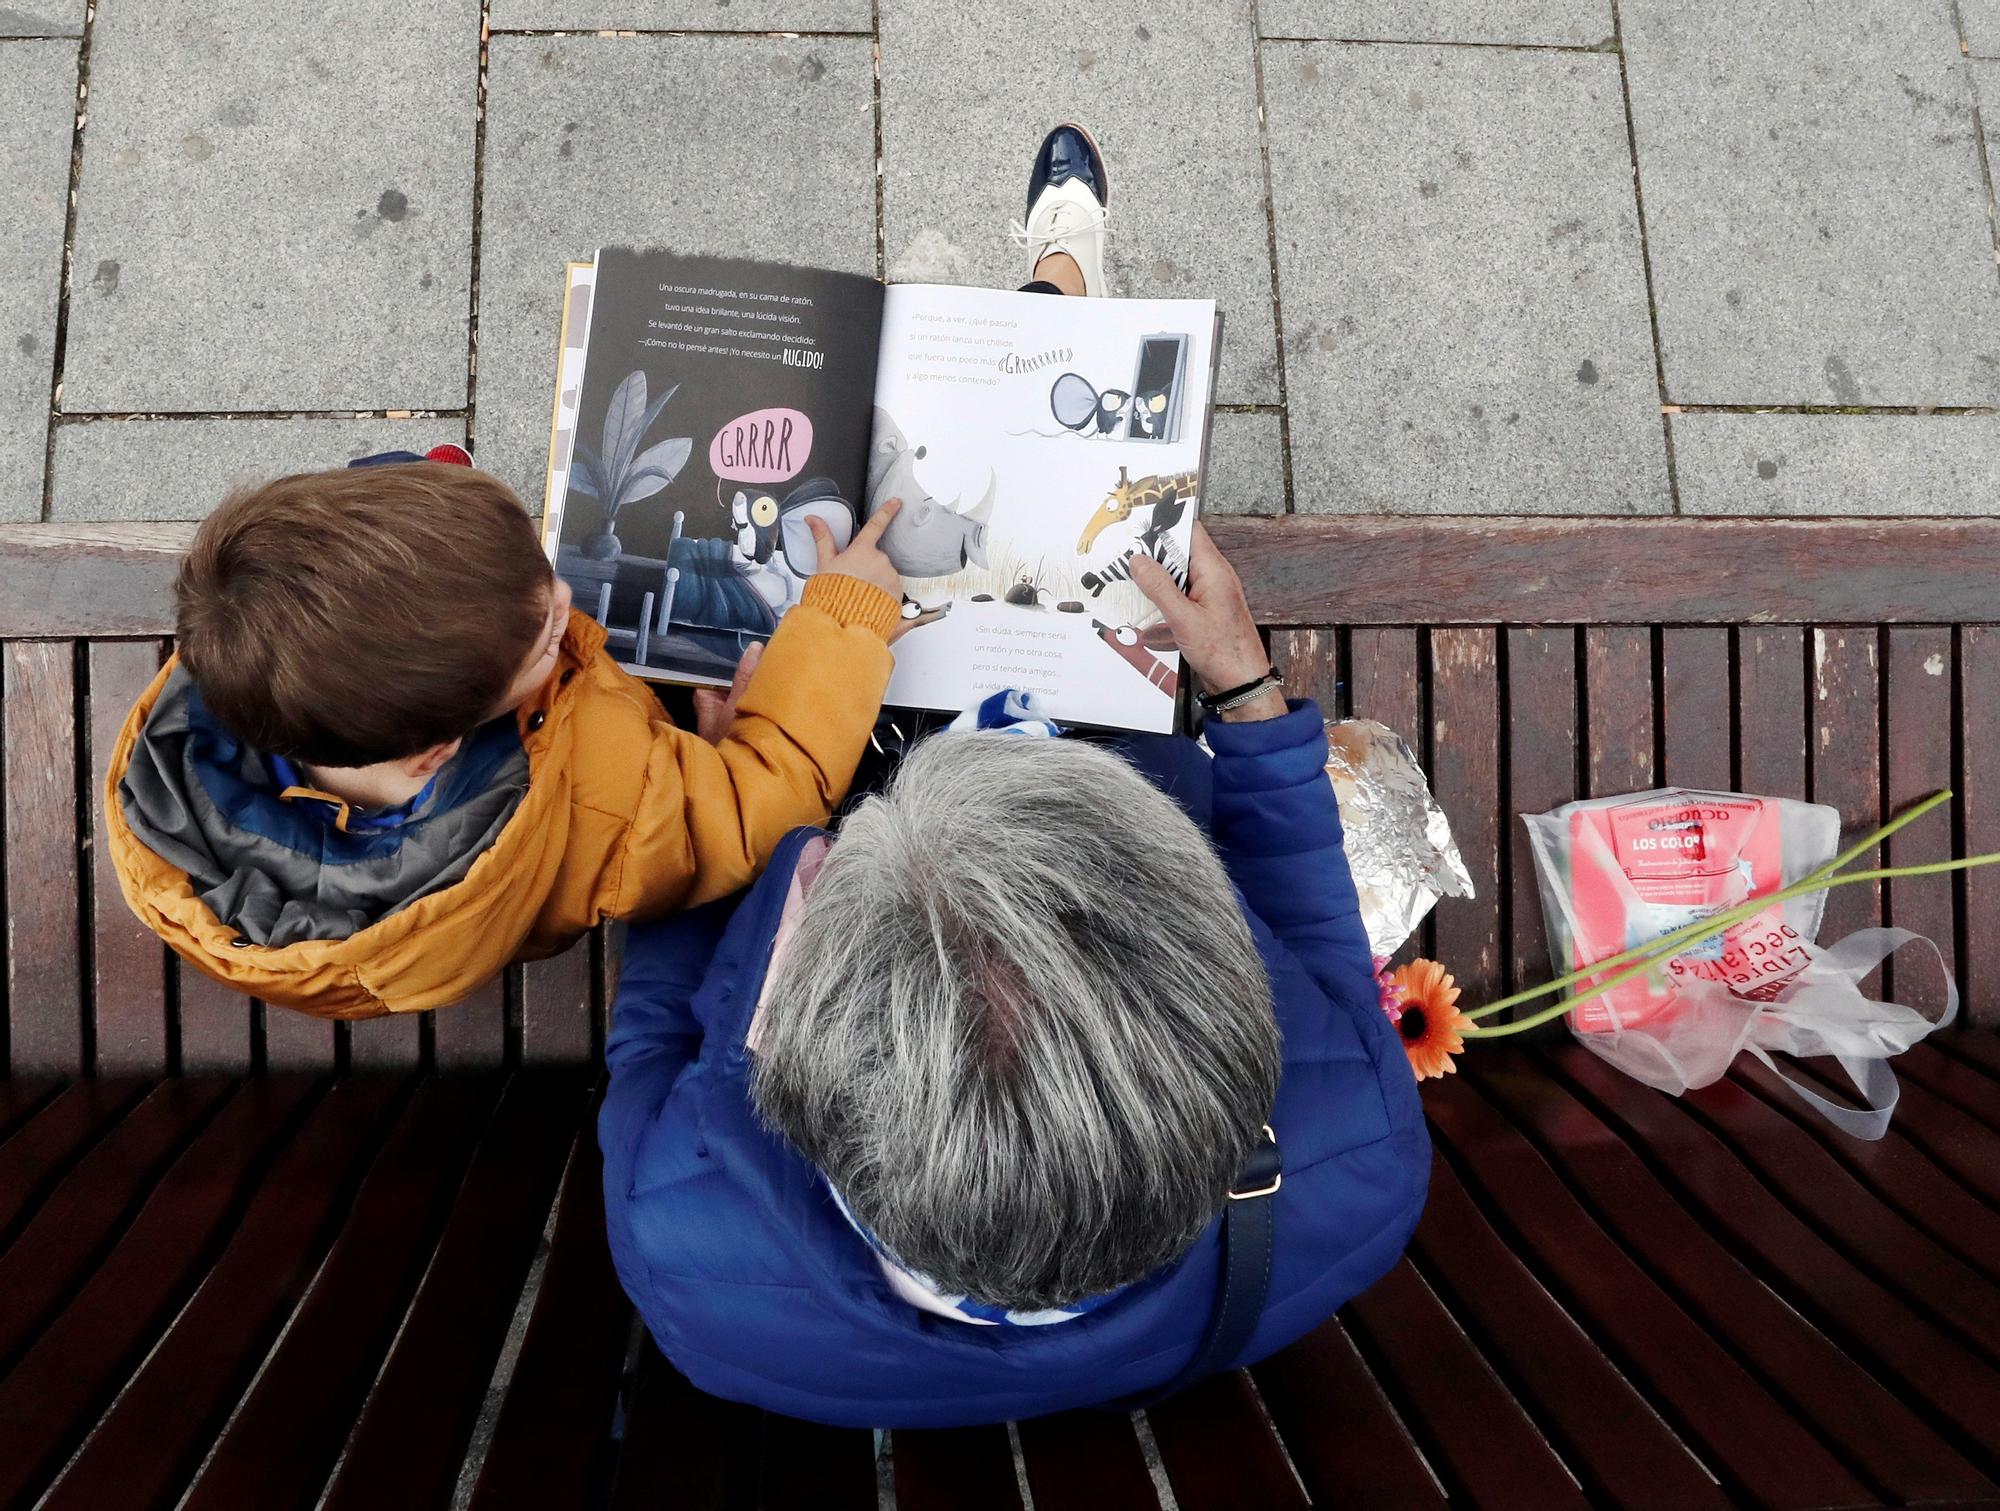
x=1244, y=1274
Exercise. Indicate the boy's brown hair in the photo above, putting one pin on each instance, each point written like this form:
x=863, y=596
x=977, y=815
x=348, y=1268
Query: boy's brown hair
x=363, y=615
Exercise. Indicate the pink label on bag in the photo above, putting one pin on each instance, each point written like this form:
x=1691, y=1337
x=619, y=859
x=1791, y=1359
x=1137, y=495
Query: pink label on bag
x=1642, y=869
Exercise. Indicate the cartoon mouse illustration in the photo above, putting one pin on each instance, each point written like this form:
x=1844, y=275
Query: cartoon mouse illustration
x=774, y=545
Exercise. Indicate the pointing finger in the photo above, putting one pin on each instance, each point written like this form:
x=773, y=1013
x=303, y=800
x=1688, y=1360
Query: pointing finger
x=823, y=547
x=878, y=522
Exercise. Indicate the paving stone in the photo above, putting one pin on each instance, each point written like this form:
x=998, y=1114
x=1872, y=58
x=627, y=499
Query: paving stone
x=582, y=147
x=47, y=18
x=1814, y=205
x=1246, y=465
x=38, y=81
x=1463, y=290
x=1815, y=464
x=275, y=211
x=1554, y=23
x=180, y=469
x=1170, y=94
x=1981, y=19
x=690, y=15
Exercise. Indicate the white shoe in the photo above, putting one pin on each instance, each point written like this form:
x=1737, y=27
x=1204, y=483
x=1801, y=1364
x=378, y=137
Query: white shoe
x=1068, y=218
x=1068, y=191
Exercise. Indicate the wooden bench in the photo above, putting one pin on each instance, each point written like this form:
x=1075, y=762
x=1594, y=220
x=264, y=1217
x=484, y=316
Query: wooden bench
x=250, y=1260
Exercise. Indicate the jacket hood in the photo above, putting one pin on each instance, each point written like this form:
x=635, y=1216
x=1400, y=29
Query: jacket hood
x=277, y=869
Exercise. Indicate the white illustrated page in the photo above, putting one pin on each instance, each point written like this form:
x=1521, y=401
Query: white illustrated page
x=1038, y=443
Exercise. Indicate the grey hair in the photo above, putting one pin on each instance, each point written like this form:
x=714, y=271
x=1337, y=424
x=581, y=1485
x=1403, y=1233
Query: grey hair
x=1022, y=1026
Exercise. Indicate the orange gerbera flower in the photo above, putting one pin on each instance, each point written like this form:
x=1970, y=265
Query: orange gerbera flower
x=1431, y=1024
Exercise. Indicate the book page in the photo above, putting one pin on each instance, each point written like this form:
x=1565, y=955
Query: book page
x=1038, y=443
x=569, y=386
x=723, y=404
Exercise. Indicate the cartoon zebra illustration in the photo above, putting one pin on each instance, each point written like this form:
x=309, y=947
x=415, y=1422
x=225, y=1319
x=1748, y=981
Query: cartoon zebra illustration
x=1160, y=545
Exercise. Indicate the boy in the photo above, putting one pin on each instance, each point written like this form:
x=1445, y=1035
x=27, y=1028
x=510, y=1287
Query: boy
x=389, y=758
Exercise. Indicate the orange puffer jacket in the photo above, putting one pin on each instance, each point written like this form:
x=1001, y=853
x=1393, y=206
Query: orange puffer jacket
x=620, y=814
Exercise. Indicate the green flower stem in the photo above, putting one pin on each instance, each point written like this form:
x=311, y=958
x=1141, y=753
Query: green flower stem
x=1817, y=882
x=1703, y=928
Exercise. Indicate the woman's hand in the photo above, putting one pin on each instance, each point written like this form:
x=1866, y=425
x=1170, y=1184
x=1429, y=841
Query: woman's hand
x=1212, y=623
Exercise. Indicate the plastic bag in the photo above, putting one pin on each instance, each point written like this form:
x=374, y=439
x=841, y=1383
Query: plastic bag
x=1618, y=872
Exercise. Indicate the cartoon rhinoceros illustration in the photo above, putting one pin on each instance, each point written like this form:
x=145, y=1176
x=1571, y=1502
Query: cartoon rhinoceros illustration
x=928, y=538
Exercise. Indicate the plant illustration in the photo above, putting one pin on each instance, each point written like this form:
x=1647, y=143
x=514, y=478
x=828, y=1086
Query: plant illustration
x=619, y=473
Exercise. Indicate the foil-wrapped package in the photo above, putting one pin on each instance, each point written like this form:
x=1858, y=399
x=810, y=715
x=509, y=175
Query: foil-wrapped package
x=1399, y=844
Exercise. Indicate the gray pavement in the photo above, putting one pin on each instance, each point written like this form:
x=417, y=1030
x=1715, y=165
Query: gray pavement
x=1544, y=256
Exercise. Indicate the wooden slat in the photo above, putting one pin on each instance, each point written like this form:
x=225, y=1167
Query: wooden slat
x=53, y=1395
x=128, y=962
x=1917, y=690
x=1219, y=1451
x=1324, y=1403
x=1899, y=1252
x=1382, y=681
x=1607, y=1433
x=684, y=1448
x=955, y=1469
x=70, y=579
x=393, y=1042
x=1981, y=1050
x=278, y=1450
x=807, y=1466
x=1958, y=1142
x=1472, y=1428
x=45, y=1010
x=1310, y=660
x=1805, y=1372
x=411, y=1438
x=1541, y=774
x=608, y=955
x=42, y=1150
x=472, y=1035
x=1896, y=1171
x=56, y=1248
x=296, y=1041
x=89, y=579
x=214, y=1024
x=20, y=1098
x=1771, y=709
x=1472, y=570
x=1979, y=810
x=1085, y=1461
x=552, y=1427
x=1965, y=1086
x=1618, y=689
x=1930, y=1370
x=556, y=1008
x=1846, y=757
x=147, y=1445
x=1465, y=776
x=1695, y=702
x=1729, y=1416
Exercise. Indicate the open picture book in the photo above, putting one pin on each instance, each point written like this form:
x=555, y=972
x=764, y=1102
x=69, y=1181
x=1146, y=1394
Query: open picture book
x=708, y=408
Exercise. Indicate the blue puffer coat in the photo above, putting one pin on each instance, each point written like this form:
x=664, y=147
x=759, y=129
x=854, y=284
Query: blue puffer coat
x=758, y=1289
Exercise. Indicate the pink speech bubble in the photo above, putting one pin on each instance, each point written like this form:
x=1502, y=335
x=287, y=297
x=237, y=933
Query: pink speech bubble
x=763, y=446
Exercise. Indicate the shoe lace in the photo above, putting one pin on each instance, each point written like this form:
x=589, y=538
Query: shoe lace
x=1056, y=219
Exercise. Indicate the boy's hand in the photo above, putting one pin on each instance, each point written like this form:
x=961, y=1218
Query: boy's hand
x=863, y=557
x=715, y=710
x=1212, y=623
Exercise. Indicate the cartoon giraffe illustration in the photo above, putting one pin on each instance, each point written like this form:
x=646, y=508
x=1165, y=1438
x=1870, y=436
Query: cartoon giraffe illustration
x=1146, y=493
